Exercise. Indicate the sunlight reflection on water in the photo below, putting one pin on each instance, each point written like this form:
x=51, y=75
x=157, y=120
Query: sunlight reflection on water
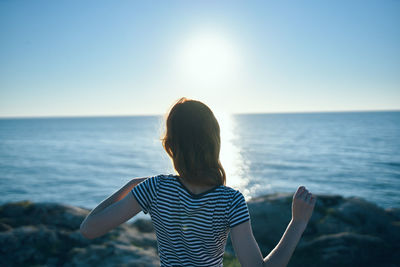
x=235, y=166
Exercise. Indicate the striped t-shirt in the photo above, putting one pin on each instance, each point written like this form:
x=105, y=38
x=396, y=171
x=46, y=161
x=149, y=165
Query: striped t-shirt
x=191, y=229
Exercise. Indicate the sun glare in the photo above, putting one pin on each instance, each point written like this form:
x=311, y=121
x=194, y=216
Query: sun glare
x=207, y=60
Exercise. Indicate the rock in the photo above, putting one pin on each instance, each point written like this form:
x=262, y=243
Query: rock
x=144, y=225
x=47, y=234
x=394, y=212
x=343, y=249
x=341, y=232
x=4, y=227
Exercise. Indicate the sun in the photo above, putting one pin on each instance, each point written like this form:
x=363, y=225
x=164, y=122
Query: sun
x=207, y=60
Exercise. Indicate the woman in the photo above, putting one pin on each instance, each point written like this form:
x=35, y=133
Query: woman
x=193, y=212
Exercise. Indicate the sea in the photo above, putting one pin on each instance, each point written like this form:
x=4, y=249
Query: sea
x=82, y=160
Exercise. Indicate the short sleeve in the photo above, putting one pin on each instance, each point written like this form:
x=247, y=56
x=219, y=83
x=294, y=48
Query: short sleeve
x=146, y=192
x=238, y=211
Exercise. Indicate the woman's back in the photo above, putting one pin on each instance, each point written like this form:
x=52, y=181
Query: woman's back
x=191, y=229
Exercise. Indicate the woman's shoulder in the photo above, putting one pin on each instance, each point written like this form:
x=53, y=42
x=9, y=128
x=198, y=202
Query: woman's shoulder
x=231, y=191
x=164, y=178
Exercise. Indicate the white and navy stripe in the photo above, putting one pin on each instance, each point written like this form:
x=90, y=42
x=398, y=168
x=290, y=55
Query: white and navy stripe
x=191, y=229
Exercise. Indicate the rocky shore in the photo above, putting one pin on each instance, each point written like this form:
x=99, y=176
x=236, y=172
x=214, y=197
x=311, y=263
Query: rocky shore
x=341, y=232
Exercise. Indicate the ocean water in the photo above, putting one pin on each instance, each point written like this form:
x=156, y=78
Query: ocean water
x=81, y=161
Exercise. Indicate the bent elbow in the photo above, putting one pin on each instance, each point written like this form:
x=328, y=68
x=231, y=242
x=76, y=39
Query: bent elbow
x=85, y=233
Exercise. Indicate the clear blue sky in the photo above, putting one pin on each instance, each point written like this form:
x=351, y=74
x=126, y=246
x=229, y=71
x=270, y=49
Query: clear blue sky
x=71, y=58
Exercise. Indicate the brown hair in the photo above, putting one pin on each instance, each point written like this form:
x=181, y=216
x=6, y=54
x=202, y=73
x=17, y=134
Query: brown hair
x=192, y=140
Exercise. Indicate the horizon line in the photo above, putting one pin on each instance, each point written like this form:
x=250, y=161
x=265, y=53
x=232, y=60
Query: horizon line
x=157, y=115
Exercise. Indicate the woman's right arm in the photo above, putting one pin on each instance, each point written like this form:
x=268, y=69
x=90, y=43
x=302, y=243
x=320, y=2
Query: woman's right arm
x=247, y=249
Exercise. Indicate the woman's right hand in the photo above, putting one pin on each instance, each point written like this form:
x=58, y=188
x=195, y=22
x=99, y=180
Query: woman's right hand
x=302, y=205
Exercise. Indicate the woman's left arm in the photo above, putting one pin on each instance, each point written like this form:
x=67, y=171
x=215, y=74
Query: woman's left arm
x=116, y=209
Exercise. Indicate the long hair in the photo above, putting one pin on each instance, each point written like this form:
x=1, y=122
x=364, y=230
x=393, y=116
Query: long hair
x=192, y=140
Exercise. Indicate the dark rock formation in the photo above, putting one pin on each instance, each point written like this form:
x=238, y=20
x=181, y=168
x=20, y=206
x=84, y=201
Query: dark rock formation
x=47, y=234
x=341, y=232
